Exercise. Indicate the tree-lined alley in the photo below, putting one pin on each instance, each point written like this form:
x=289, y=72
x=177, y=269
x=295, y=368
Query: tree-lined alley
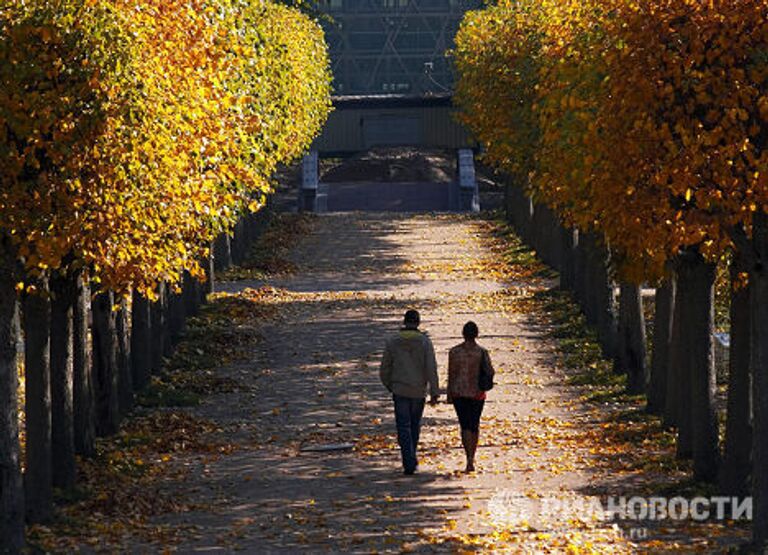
x=643, y=126
x=132, y=133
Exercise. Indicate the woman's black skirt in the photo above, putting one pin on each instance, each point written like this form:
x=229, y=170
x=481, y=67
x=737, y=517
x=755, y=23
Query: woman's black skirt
x=469, y=412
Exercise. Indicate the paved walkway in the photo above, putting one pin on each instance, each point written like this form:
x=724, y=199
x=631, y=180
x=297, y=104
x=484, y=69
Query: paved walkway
x=314, y=380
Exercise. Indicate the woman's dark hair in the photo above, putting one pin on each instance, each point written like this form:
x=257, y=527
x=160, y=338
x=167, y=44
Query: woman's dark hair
x=470, y=331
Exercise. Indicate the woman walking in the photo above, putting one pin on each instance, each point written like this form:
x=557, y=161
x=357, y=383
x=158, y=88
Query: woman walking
x=464, y=365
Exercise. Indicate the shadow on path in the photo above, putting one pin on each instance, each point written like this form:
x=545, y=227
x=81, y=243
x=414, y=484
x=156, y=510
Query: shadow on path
x=313, y=379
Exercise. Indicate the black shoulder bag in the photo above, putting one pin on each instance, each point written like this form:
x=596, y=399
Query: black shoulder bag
x=485, y=379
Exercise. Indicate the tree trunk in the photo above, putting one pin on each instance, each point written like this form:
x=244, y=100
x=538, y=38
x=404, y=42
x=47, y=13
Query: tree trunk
x=737, y=461
x=631, y=353
x=569, y=241
x=580, y=269
x=38, y=476
x=696, y=294
x=759, y=357
x=529, y=214
x=259, y=221
x=105, y=364
x=248, y=220
x=509, y=200
x=518, y=201
x=157, y=322
x=239, y=246
x=166, y=320
x=677, y=379
x=604, y=307
x=176, y=315
x=124, y=374
x=141, y=344
x=11, y=488
x=190, y=296
x=537, y=231
x=222, y=252
x=63, y=290
x=544, y=229
x=515, y=205
x=82, y=371
x=551, y=239
x=210, y=277
x=588, y=293
x=662, y=333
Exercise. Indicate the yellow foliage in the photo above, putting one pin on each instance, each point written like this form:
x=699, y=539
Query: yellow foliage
x=645, y=122
x=132, y=132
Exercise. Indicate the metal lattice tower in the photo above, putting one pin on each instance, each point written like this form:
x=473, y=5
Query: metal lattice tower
x=393, y=46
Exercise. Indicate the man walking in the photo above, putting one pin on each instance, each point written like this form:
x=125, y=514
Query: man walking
x=407, y=368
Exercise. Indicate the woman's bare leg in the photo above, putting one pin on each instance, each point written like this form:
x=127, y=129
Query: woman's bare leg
x=473, y=439
x=466, y=442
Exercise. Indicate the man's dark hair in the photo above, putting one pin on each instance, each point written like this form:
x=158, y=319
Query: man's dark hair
x=412, y=318
x=470, y=331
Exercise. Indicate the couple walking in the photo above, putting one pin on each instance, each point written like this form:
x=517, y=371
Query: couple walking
x=409, y=367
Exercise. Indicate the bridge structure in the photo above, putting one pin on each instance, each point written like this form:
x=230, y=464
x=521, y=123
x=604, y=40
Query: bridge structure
x=393, y=83
x=360, y=124
x=392, y=46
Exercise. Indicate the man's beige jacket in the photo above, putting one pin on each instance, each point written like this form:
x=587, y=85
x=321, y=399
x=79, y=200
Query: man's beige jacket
x=409, y=365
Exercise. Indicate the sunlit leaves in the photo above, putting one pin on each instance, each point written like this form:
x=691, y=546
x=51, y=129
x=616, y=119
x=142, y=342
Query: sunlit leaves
x=496, y=55
x=134, y=131
x=643, y=121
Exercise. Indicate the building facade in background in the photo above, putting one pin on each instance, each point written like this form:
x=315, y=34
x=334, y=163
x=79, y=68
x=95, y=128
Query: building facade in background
x=393, y=46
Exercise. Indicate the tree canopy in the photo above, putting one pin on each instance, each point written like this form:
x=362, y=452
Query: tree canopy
x=134, y=131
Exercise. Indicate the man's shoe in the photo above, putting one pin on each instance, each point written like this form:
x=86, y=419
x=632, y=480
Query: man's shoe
x=409, y=471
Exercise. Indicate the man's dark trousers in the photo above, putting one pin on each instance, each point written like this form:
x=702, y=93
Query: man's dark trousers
x=408, y=413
